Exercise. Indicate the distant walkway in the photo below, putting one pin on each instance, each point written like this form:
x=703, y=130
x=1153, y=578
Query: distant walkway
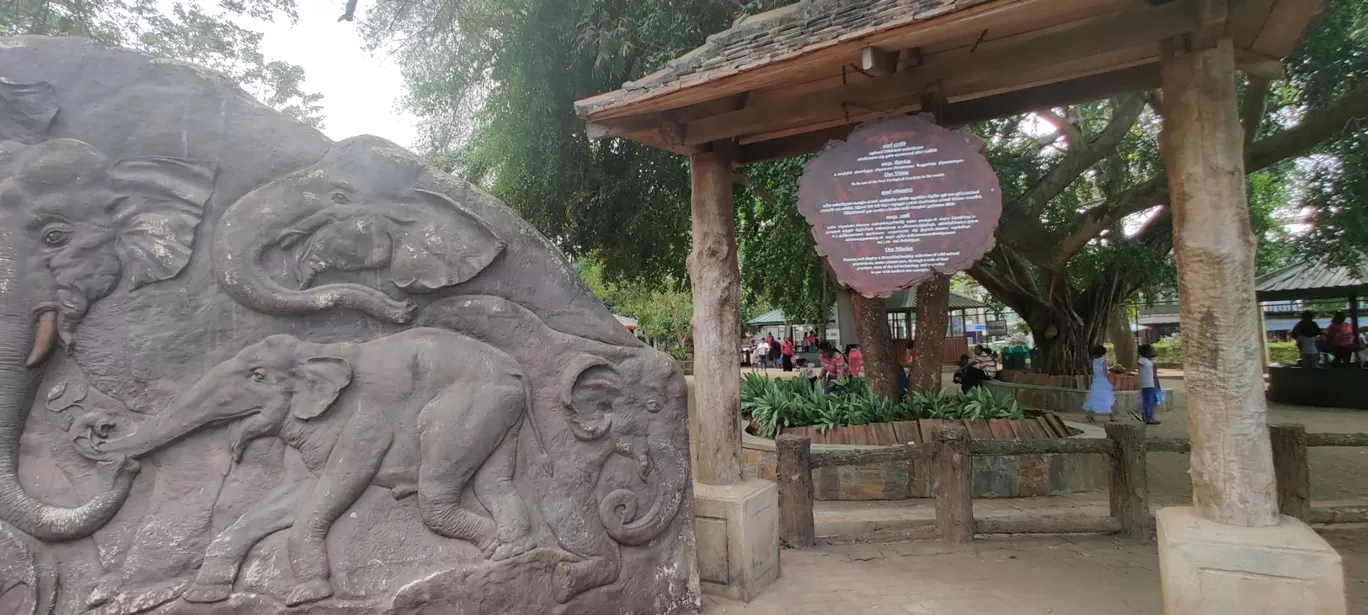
x=1002, y=576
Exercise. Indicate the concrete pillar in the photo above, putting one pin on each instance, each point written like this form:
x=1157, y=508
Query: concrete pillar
x=1232, y=461
x=1231, y=553
x=716, y=279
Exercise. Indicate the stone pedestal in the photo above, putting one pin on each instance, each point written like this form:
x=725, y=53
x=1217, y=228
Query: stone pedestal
x=737, y=530
x=1208, y=568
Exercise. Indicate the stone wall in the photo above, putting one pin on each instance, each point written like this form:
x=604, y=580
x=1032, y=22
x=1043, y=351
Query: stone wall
x=994, y=477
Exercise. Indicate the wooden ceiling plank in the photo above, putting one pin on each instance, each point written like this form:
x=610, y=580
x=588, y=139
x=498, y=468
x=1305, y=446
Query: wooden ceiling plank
x=964, y=87
x=835, y=77
x=1095, y=87
x=1121, y=31
x=1247, y=19
x=1284, y=27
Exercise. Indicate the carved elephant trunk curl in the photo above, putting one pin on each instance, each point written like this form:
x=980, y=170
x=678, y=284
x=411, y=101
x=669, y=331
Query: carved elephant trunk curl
x=343, y=215
x=73, y=226
x=613, y=400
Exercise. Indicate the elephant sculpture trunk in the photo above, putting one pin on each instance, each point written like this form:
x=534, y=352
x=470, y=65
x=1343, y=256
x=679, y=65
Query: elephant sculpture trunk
x=238, y=265
x=23, y=348
x=618, y=509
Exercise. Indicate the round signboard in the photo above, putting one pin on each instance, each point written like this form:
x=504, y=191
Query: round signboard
x=899, y=200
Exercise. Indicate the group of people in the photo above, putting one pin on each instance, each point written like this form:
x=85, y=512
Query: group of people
x=1339, y=340
x=974, y=371
x=769, y=352
x=1101, y=398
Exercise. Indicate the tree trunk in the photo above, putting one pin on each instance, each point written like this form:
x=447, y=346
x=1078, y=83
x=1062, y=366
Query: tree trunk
x=871, y=327
x=1064, y=354
x=1122, y=339
x=933, y=320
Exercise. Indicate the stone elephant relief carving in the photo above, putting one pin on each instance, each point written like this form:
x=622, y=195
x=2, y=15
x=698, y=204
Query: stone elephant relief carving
x=401, y=412
x=353, y=211
x=28, y=576
x=611, y=400
x=73, y=226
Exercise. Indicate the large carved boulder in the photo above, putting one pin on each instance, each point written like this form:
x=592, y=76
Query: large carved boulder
x=246, y=369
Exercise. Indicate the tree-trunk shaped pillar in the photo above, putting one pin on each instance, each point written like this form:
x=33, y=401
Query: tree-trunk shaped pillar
x=736, y=522
x=1232, y=460
x=876, y=346
x=716, y=279
x=933, y=321
x=1231, y=552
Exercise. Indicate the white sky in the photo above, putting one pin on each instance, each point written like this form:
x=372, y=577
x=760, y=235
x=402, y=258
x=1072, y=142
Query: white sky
x=361, y=92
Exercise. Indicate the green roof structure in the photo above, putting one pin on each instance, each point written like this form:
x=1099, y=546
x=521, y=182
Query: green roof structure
x=1310, y=280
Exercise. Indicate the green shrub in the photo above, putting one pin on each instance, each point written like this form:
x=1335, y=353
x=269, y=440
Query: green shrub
x=1283, y=352
x=778, y=404
x=1168, y=350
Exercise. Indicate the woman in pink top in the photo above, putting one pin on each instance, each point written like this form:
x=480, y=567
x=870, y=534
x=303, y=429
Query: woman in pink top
x=855, y=359
x=787, y=351
x=1340, y=339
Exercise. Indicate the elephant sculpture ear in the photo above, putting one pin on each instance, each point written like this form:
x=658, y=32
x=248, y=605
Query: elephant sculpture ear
x=318, y=382
x=26, y=111
x=590, y=388
x=430, y=255
x=162, y=203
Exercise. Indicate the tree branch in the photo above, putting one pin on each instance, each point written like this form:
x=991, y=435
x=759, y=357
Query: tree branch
x=1317, y=126
x=761, y=191
x=1025, y=233
x=1125, y=112
x=350, y=11
x=1073, y=135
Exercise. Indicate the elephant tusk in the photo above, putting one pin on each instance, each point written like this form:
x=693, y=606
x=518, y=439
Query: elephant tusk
x=45, y=340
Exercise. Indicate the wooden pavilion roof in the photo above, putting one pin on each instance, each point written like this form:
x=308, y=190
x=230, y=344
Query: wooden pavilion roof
x=785, y=82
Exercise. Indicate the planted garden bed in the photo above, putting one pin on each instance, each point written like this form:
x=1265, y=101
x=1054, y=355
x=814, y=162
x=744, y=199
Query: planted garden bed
x=850, y=418
x=1047, y=425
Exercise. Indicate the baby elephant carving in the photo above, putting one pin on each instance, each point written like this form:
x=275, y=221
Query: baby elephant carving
x=423, y=411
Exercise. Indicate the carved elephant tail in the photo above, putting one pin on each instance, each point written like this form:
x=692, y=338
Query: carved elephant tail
x=618, y=509
x=28, y=575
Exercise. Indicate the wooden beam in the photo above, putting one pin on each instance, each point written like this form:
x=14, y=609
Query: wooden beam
x=634, y=126
x=1258, y=65
x=1084, y=89
x=1098, y=36
x=876, y=62
x=1286, y=23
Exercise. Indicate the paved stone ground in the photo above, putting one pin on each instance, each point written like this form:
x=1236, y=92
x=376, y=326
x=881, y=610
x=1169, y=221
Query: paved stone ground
x=1036, y=575
x=1002, y=576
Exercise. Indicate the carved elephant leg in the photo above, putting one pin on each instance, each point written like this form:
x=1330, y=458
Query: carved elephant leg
x=352, y=466
x=580, y=532
x=461, y=429
x=494, y=488
x=214, y=583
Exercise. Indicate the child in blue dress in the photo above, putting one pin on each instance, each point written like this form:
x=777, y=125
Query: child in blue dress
x=1100, y=397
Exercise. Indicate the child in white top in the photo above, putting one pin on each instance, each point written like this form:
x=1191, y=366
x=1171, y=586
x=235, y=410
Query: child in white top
x=1150, y=393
